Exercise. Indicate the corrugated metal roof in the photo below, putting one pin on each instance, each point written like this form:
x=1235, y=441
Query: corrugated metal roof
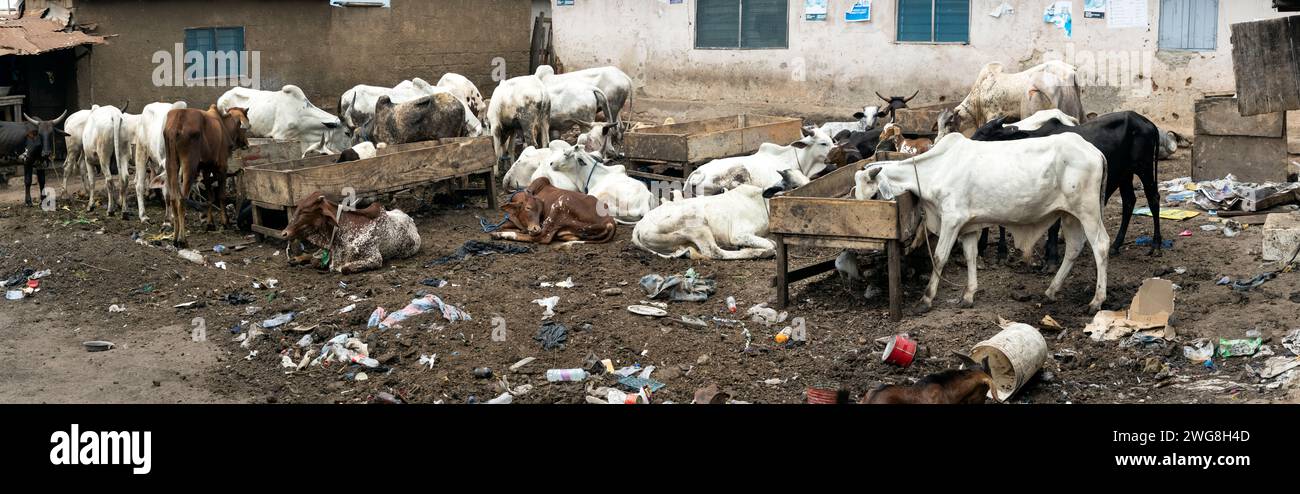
x=32, y=35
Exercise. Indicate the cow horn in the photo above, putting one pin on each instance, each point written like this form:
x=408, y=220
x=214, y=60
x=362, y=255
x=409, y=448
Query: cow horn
x=909, y=98
x=30, y=119
x=61, y=117
x=881, y=97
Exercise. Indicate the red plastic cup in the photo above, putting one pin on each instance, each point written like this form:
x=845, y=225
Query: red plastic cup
x=900, y=351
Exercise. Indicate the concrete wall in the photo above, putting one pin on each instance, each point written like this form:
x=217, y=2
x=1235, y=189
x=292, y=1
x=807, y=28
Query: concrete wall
x=843, y=63
x=324, y=50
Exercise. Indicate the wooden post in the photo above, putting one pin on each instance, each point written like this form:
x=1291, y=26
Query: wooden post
x=894, y=248
x=491, y=180
x=782, y=270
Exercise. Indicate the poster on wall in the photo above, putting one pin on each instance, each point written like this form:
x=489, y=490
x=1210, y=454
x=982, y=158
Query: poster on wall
x=562, y=3
x=1059, y=14
x=1094, y=9
x=814, y=10
x=1126, y=13
x=859, y=12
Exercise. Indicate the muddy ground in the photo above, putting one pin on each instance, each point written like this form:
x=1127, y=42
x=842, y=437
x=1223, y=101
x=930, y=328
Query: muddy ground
x=95, y=263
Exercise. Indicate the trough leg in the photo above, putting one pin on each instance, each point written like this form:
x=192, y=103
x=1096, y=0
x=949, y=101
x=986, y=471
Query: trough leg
x=893, y=250
x=782, y=272
x=491, y=190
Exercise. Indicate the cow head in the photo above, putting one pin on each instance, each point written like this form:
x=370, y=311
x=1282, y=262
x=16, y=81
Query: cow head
x=811, y=151
x=893, y=103
x=998, y=130
x=789, y=180
x=235, y=125
x=602, y=138
x=40, y=138
x=524, y=210
x=949, y=121
x=868, y=117
x=313, y=215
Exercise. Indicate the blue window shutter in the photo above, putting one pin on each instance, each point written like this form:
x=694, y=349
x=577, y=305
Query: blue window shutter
x=717, y=24
x=763, y=23
x=1189, y=24
x=914, y=18
x=952, y=21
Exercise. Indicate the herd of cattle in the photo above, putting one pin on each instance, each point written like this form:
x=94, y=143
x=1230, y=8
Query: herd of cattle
x=1034, y=163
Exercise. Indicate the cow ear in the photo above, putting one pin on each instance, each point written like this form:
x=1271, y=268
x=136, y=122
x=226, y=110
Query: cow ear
x=859, y=115
x=799, y=144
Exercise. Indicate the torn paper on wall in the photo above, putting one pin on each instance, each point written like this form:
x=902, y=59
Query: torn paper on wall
x=1059, y=14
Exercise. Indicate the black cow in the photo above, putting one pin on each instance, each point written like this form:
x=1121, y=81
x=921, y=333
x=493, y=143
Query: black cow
x=893, y=103
x=33, y=144
x=1129, y=141
x=853, y=146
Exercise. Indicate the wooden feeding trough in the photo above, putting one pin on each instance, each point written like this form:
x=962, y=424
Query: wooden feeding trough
x=920, y=121
x=823, y=213
x=277, y=187
x=683, y=146
x=263, y=151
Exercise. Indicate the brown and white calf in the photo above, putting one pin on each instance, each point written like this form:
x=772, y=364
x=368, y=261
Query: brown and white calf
x=358, y=240
x=543, y=213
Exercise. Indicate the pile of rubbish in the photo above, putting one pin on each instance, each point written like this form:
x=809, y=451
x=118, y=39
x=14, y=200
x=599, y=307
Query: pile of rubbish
x=23, y=283
x=1229, y=194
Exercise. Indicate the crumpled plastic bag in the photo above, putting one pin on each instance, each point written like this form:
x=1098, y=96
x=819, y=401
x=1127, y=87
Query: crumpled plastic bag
x=552, y=335
x=677, y=287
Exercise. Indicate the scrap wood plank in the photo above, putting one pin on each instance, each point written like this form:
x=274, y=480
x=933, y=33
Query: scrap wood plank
x=1267, y=65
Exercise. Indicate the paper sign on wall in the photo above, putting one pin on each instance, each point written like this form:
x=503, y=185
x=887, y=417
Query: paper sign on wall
x=814, y=10
x=1059, y=14
x=1126, y=13
x=1094, y=9
x=859, y=12
x=562, y=3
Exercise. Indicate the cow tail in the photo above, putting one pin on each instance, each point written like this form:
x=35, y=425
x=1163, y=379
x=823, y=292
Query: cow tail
x=603, y=103
x=118, y=152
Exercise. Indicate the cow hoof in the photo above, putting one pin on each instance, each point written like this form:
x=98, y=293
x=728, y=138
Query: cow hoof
x=1154, y=252
x=1114, y=251
x=28, y=203
x=144, y=219
x=967, y=304
x=921, y=308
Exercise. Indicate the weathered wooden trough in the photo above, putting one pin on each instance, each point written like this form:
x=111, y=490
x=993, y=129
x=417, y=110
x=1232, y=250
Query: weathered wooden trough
x=683, y=146
x=824, y=213
x=920, y=121
x=262, y=151
x=277, y=187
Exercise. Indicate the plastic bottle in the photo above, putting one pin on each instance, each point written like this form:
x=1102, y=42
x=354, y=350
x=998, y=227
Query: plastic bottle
x=554, y=375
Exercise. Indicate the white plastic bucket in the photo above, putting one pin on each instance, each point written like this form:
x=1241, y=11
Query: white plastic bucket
x=1015, y=354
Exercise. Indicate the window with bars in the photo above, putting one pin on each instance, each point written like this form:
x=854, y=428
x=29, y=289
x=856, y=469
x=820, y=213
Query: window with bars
x=222, y=49
x=747, y=24
x=1189, y=24
x=934, y=21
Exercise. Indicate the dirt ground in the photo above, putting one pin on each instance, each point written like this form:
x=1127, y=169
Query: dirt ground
x=95, y=263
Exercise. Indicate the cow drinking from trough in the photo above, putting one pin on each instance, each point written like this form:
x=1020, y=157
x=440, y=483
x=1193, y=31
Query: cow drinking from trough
x=200, y=142
x=964, y=185
x=543, y=213
x=287, y=114
x=33, y=142
x=358, y=240
x=1130, y=143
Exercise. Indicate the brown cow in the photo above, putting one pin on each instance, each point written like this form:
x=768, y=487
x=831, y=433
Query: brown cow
x=894, y=134
x=357, y=240
x=951, y=387
x=200, y=141
x=542, y=213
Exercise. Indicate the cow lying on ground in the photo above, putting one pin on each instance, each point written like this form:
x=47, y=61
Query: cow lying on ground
x=362, y=151
x=521, y=171
x=200, y=142
x=705, y=227
x=425, y=118
x=358, y=240
x=866, y=120
x=1045, y=86
x=543, y=213
x=287, y=114
x=573, y=168
x=963, y=185
x=805, y=158
x=1127, y=139
x=33, y=142
x=950, y=387
x=521, y=106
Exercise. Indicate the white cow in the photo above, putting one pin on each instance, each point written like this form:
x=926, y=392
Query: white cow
x=616, y=84
x=102, y=144
x=866, y=120
x=75, y=126
x=573, y=168
x=806, y=157
x=150, y=151
x=464, y=90
x=357, y=105
x=519, y=105
x=1053, y=84
x=287, y=114
x=1025, y=185
x=574, y=102
x=731, y=225
x=521, y=172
